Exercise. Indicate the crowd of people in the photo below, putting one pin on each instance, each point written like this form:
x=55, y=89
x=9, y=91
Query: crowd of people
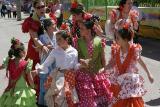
x=9, y=9
x=65, y=64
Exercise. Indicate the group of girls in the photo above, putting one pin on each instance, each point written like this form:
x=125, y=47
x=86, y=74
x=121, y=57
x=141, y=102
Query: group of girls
x=72, y=69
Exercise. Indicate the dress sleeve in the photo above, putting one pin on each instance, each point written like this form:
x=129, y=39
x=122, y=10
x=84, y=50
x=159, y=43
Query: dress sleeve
x=29, y=65
x=109, y=25
x=30, y=24
x=42, y=38
x=5, y=62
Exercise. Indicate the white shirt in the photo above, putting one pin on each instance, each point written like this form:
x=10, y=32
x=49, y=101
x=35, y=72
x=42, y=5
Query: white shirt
x=9, y=7
x=14, y=8
x=65, y=59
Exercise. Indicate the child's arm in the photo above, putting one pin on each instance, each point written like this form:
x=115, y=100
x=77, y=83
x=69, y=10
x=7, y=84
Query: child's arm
x=28, y=73
x=150, y=77
x=30, y=79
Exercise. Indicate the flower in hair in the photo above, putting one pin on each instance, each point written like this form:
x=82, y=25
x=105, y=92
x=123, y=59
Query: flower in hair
x=64, y=26
x=87, y=16
x=15, y=41
x=126, y=26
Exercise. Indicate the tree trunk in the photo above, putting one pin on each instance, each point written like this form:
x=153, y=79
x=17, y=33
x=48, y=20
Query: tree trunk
x=18, y=3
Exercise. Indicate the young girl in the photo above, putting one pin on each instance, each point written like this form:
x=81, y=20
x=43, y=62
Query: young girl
x=18, y=92
x=127, y=84
x=49, y=40
x=124, y=12
x=92, y=85
x=61, y=82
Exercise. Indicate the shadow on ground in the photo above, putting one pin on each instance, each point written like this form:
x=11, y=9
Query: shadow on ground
x=155, y=102
x=151, y=48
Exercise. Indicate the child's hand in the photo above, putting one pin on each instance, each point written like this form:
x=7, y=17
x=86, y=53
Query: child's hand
x=34, y=73
x=151, y=79
x=84, y=63
x=101, y=70
x=45, y=49
x=50, y=47
x=39, y=67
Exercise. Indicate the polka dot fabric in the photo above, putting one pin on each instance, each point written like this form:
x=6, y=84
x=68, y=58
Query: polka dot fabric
x=92, y=89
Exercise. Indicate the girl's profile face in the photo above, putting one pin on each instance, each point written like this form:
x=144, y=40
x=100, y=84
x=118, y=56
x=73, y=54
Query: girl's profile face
x=52, y=27
x=22, y=53
x=83, y=30
x=60, y=41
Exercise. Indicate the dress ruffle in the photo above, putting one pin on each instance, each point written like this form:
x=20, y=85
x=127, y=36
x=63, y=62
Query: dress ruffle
x=93, y=89
x=19, y=98
x=29, y=23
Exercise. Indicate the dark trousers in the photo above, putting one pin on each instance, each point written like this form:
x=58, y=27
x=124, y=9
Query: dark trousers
x=9, y=13
x=14, y=14
x=2, y=13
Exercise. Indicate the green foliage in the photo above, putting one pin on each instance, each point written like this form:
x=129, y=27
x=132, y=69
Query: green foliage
x=143, y=3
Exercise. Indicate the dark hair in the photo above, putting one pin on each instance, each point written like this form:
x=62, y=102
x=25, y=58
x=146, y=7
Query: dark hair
x=35, y=2
x=15, y=48
x=135, y=3
x=46, y=23
x=125, y=33
x=122, y=2
x=89, y=23
x=89, y=20
x=65, y=35
x=77, y=10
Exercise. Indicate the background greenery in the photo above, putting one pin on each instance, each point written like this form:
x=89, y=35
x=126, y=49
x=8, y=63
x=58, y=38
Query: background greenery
x=143, y=3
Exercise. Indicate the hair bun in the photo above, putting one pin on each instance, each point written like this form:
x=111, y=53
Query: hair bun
x=14, y=41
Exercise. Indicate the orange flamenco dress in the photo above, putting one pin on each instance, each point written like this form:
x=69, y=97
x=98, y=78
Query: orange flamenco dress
x=124, y=94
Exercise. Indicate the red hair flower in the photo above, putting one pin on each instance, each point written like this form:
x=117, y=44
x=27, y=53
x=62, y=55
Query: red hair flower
x=126, y=26
x=87, y=16
x=64, y=26
x=74, y=5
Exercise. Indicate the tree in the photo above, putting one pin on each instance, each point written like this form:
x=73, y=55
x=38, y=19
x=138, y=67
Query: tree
x=18, y=3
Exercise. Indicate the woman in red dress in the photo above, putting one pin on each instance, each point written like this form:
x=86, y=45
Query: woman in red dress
x=32, y=25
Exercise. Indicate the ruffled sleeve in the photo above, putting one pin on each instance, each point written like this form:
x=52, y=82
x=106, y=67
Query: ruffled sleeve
x=28, y=24
x=134, y=15
x=138, y=51
x=109, y=25
x=29, y=65
x=5, y=62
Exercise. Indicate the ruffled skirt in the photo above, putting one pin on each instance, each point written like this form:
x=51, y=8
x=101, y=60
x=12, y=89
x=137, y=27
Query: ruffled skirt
x=130, y=102
x=93, y=90
x=18, y=98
